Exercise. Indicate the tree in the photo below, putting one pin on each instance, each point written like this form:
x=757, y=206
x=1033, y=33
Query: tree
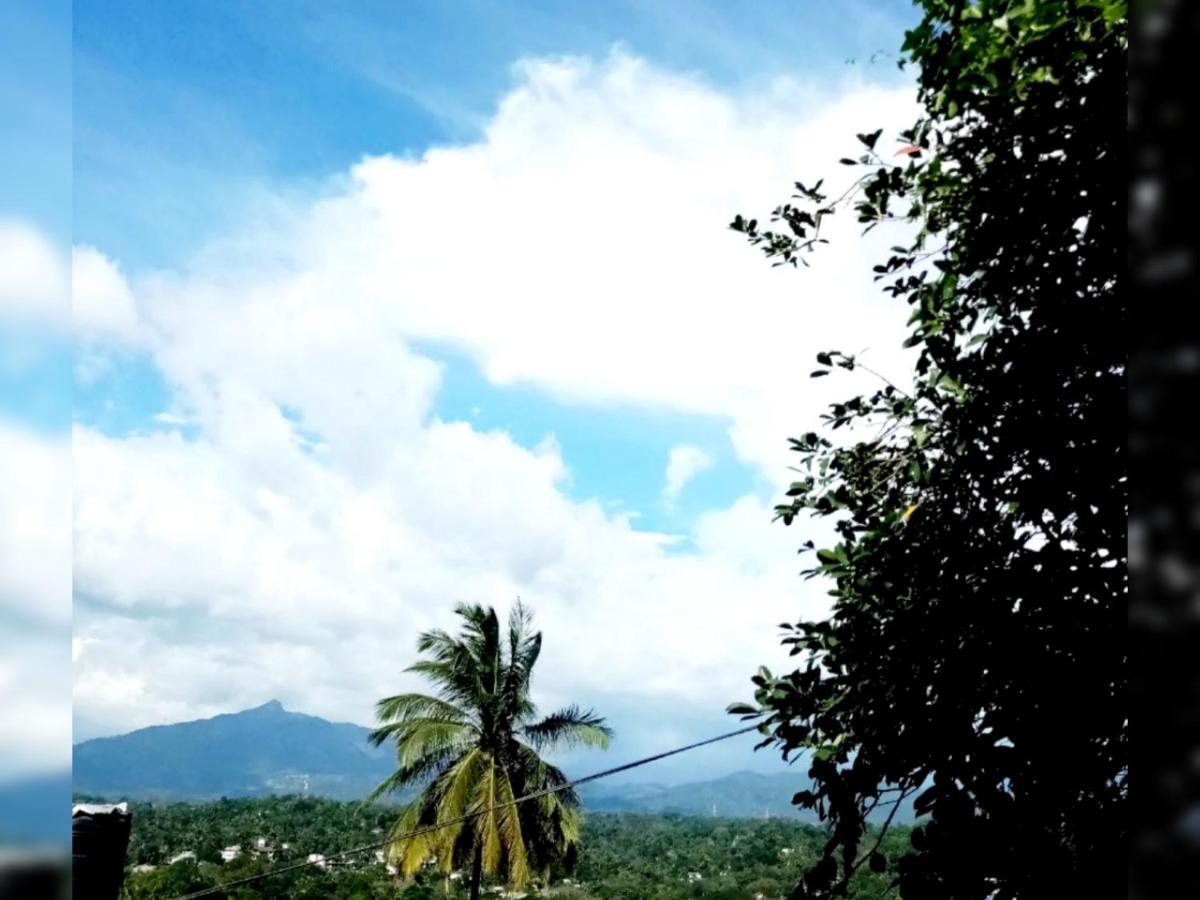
x=975, y=655
x=474, y=748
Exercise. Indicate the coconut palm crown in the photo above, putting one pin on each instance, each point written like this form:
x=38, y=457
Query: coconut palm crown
x=476, y=744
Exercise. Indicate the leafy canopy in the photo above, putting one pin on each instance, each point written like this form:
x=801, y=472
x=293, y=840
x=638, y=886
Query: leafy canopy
x=976, y=656
x=475, y=745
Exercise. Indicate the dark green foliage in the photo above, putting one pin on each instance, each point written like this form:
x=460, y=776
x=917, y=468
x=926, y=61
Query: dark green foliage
x=976, y=653
x=623, y=857
x=307, y=824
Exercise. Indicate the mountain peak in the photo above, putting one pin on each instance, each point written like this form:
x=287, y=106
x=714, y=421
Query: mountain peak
x=254, y=752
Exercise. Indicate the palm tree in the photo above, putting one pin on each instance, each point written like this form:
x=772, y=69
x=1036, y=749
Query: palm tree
x=476, y=745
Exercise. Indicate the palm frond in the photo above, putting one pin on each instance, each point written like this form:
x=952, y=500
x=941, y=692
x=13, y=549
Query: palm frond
x=409, y=854
x=569, y=727
x=487, y=833
x=431, y=737
x=454, y=789
x=449, y=799
x=425, y=755
x=456, y=679
x=524, y=647
x=504, y=827
x=552, y=822
x=408, y=706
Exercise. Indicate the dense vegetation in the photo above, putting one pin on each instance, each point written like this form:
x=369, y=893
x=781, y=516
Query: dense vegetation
x=976, y=655
x=622, y=857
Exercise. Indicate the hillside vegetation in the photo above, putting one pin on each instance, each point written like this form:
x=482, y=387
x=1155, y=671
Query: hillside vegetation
x=622, y=856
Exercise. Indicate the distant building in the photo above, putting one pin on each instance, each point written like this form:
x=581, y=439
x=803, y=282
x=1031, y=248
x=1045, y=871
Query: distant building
x=230, y=853
x=143, y=867
x=318, y=860
x=180, y=857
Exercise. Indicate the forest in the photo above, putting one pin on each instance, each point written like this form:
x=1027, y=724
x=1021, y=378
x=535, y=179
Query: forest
x=621, y=856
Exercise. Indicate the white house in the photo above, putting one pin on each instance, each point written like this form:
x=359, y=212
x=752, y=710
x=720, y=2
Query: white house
x=180, y=857
x=317, y=859
x=230, y=853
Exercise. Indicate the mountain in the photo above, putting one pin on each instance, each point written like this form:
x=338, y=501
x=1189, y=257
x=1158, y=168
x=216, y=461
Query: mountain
x=738, y=795
x=741, y=795
x=265, y=750
x=270, y=750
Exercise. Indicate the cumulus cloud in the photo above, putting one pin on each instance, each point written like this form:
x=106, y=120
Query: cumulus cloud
x=102, y=306
x=319, y=513
x=35, y=508
x=34, y=282
x=684, y=463
x=35, y=535
x=35, y=603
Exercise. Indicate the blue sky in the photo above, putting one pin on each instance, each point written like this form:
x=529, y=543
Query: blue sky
x=183, y=109
x=35, y=94
x=384, y=306
x=185, y=114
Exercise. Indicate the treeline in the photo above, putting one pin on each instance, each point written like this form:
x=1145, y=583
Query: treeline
x=623, y=857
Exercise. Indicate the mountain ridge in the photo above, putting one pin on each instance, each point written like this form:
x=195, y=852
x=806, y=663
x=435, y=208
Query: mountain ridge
x=255, y=752
x=269, y=750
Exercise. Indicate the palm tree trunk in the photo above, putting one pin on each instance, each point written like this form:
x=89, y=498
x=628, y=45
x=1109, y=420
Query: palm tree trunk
x=476, y=872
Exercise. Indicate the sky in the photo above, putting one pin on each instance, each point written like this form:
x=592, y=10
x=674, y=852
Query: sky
x=380, y=308
x=35, y=405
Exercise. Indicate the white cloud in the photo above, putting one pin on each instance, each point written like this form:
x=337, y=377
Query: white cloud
x=35, y=528
x=35, y=603
x=684, y=463
x=103, y=306
x=34, y=283
x=35, y=514
x=579, y=247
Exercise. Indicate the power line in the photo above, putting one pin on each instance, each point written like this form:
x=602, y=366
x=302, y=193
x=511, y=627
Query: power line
x=417, y=832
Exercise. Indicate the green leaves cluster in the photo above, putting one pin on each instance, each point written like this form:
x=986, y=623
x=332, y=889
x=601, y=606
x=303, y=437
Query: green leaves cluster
x=975, y=656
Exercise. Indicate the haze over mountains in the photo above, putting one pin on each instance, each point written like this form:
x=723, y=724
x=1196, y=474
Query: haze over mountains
x=270, y=750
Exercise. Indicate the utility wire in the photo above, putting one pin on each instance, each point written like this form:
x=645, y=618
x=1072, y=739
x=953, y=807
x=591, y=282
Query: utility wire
x=417, y=832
